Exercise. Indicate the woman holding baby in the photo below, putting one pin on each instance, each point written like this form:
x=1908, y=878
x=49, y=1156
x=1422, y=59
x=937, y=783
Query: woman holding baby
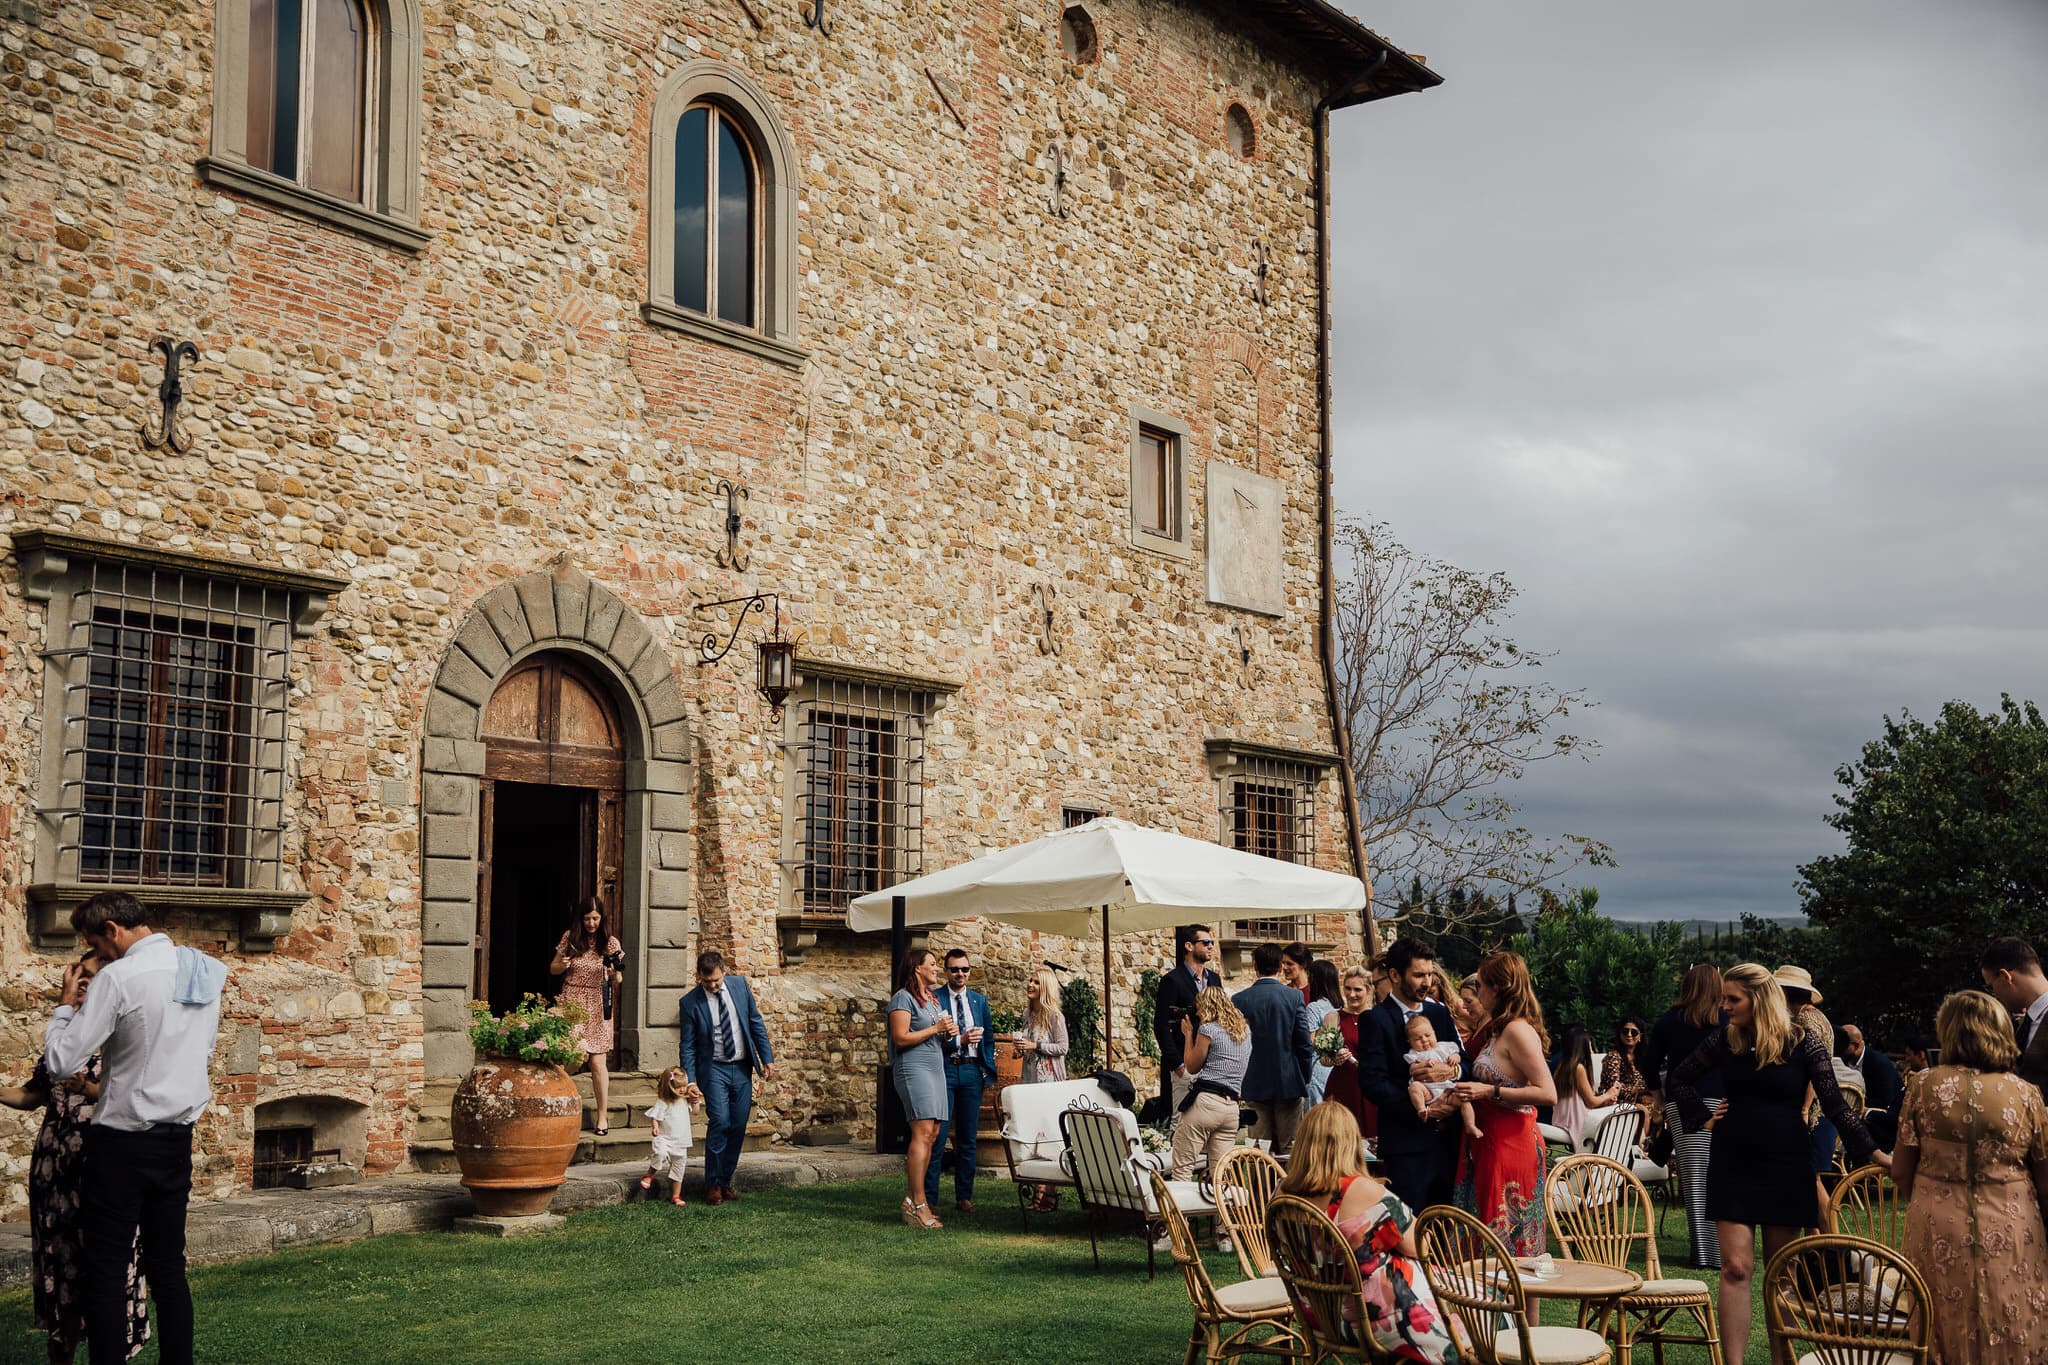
x=1500, y=1175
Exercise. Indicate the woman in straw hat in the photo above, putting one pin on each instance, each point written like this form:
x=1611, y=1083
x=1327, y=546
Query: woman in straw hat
x=1802, y=998
x=1758, y=1171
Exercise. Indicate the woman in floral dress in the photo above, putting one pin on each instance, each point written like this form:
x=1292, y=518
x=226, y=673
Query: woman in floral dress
x=56, y=1187
x=1972, y=1164
x=1500, y=1176
x=589, y=962
x=1399, y=1309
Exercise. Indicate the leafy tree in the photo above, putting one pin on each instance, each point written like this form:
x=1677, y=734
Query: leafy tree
x=1445, y=713
x=1591, y=971
x=1947, y=829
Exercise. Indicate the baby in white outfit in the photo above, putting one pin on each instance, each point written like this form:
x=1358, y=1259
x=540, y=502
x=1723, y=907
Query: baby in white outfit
x=1424, y=1048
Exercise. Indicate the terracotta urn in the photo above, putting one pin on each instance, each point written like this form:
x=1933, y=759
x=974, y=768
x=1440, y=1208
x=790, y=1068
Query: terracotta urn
x=515, y=1126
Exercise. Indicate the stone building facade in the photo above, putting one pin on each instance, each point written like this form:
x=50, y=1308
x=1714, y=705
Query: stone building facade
x=984, y=337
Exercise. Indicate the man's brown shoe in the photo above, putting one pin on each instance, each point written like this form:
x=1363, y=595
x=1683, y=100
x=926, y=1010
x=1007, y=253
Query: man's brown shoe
x=965, y=1205
x=714, y=1195
x=732, y=1196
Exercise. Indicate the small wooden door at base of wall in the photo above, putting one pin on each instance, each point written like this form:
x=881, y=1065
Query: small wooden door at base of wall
x=550, y=830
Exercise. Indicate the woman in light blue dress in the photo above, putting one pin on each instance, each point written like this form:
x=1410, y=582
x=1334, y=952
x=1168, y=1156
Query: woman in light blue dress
x=918, y=1061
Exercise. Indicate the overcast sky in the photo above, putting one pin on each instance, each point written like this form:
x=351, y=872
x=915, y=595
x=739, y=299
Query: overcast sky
x=1723, y=331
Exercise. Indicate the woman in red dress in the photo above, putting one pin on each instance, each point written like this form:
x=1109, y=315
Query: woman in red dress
x=1500, y=1176
x=1343, y=1083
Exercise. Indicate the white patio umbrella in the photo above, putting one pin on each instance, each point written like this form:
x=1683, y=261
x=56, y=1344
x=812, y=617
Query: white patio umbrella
x=1112, y=873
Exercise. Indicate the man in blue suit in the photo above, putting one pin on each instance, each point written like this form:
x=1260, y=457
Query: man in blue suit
x=1276, y=1077
x=1420, y=1149
x=725, y=1041
x=970, y=1069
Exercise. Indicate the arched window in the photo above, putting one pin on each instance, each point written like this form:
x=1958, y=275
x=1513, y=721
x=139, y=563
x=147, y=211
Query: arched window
x=317, y=111
x=717, y=204
x=721, y=214
x=309, y=71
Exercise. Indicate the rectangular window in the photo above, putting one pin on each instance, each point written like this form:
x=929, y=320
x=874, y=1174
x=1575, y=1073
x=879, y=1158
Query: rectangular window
x=162, y=736
x=173, y=747
x=1270, y=809
x=1155, y=483
x=1073, y=817
x=860, y=791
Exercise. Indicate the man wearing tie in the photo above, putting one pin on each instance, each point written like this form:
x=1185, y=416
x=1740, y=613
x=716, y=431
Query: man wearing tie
x=724, y=1042
x=970, y=1069
x=2012, y=971
x=1419, y=1149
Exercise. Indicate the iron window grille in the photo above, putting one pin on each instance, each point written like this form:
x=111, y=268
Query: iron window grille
x=1073, y=817
x=1269, y=808
x=174, y=716
x=859, y=767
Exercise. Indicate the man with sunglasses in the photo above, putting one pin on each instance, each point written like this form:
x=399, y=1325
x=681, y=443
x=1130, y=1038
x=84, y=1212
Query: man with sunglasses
x=970, y=1069
x=1196, y=944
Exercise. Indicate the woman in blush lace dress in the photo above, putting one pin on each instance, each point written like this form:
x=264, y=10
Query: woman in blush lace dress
x=1972, y=1163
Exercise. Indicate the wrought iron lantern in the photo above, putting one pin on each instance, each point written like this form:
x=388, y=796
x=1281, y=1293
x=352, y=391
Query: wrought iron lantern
x=777, y=675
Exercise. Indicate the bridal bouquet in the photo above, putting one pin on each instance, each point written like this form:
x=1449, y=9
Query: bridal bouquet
x=1328, y=1041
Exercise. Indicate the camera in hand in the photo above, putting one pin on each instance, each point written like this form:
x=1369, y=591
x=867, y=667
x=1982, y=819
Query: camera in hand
x=616, y=961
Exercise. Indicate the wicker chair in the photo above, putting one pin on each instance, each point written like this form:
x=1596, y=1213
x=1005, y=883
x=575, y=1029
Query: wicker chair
x=1478, y=1288
x=1600, y=1212
x=1246, y=1181
x=1835, y=1300
x=1226, y=1318
x=1866, y=1204
x=1620, y=1140
x=1320, y=1271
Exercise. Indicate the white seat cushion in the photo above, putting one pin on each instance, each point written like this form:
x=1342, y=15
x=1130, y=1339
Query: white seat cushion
x=1672, y=1289
x=1555, y=1346
x=1043, y=1170
x=1031, y=1115
x=1649, y=1172
x=1550, y=1132
x=1889, y=1358
x=1252, y=1296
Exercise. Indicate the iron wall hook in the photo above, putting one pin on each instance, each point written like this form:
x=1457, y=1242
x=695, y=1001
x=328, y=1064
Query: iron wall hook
x=732, y=557
x=170, y=393
x=814, y=17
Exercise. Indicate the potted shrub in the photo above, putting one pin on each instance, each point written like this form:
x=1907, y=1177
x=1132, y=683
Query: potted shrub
x=516, y=1117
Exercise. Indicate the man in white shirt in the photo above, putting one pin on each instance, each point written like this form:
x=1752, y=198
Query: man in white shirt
x=2012, y=971
x=155, y=1008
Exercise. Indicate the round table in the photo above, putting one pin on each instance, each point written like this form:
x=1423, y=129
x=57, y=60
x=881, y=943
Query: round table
x=1593, y=1285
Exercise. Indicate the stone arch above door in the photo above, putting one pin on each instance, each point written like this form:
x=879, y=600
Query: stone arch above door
x=559, y=610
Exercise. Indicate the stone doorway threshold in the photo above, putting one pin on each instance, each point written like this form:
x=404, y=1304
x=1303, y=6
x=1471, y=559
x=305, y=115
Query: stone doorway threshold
x=263, y=1221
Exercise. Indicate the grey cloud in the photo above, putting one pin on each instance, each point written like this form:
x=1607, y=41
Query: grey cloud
x=1722, y=330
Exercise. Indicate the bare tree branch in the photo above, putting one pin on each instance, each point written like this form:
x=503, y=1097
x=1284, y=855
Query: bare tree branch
x=1445, y=711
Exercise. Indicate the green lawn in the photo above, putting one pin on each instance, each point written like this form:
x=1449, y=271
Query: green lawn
x=818, y=1274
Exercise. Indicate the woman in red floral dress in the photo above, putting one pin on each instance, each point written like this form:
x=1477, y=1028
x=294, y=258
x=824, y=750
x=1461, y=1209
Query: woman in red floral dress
x=1343, y=1083
x=589, y=962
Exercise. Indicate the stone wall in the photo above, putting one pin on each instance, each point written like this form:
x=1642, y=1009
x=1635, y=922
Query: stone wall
x=428, y=426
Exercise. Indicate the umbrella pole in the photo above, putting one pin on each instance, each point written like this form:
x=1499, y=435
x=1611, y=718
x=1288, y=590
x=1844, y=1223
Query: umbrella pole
x=1108, y=1030
x=899, y=938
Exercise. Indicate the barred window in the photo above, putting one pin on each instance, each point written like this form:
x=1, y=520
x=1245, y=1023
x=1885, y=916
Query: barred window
x=179, y=743
x=858, y=767
x=1268, y=807
x=166, y=685
x=1073, y=817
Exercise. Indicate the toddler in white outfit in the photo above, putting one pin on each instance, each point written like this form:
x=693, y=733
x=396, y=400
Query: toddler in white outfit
x=671, y=1118
x=1423, y=1048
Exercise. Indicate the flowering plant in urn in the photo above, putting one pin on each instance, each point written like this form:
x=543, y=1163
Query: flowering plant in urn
x=532, y=1031
x=517, y=1118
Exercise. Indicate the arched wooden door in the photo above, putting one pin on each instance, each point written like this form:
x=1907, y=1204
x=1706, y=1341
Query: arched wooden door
x=550, y=831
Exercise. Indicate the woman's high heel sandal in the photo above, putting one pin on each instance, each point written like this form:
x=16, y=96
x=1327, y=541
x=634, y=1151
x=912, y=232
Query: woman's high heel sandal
x=919, y=1216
